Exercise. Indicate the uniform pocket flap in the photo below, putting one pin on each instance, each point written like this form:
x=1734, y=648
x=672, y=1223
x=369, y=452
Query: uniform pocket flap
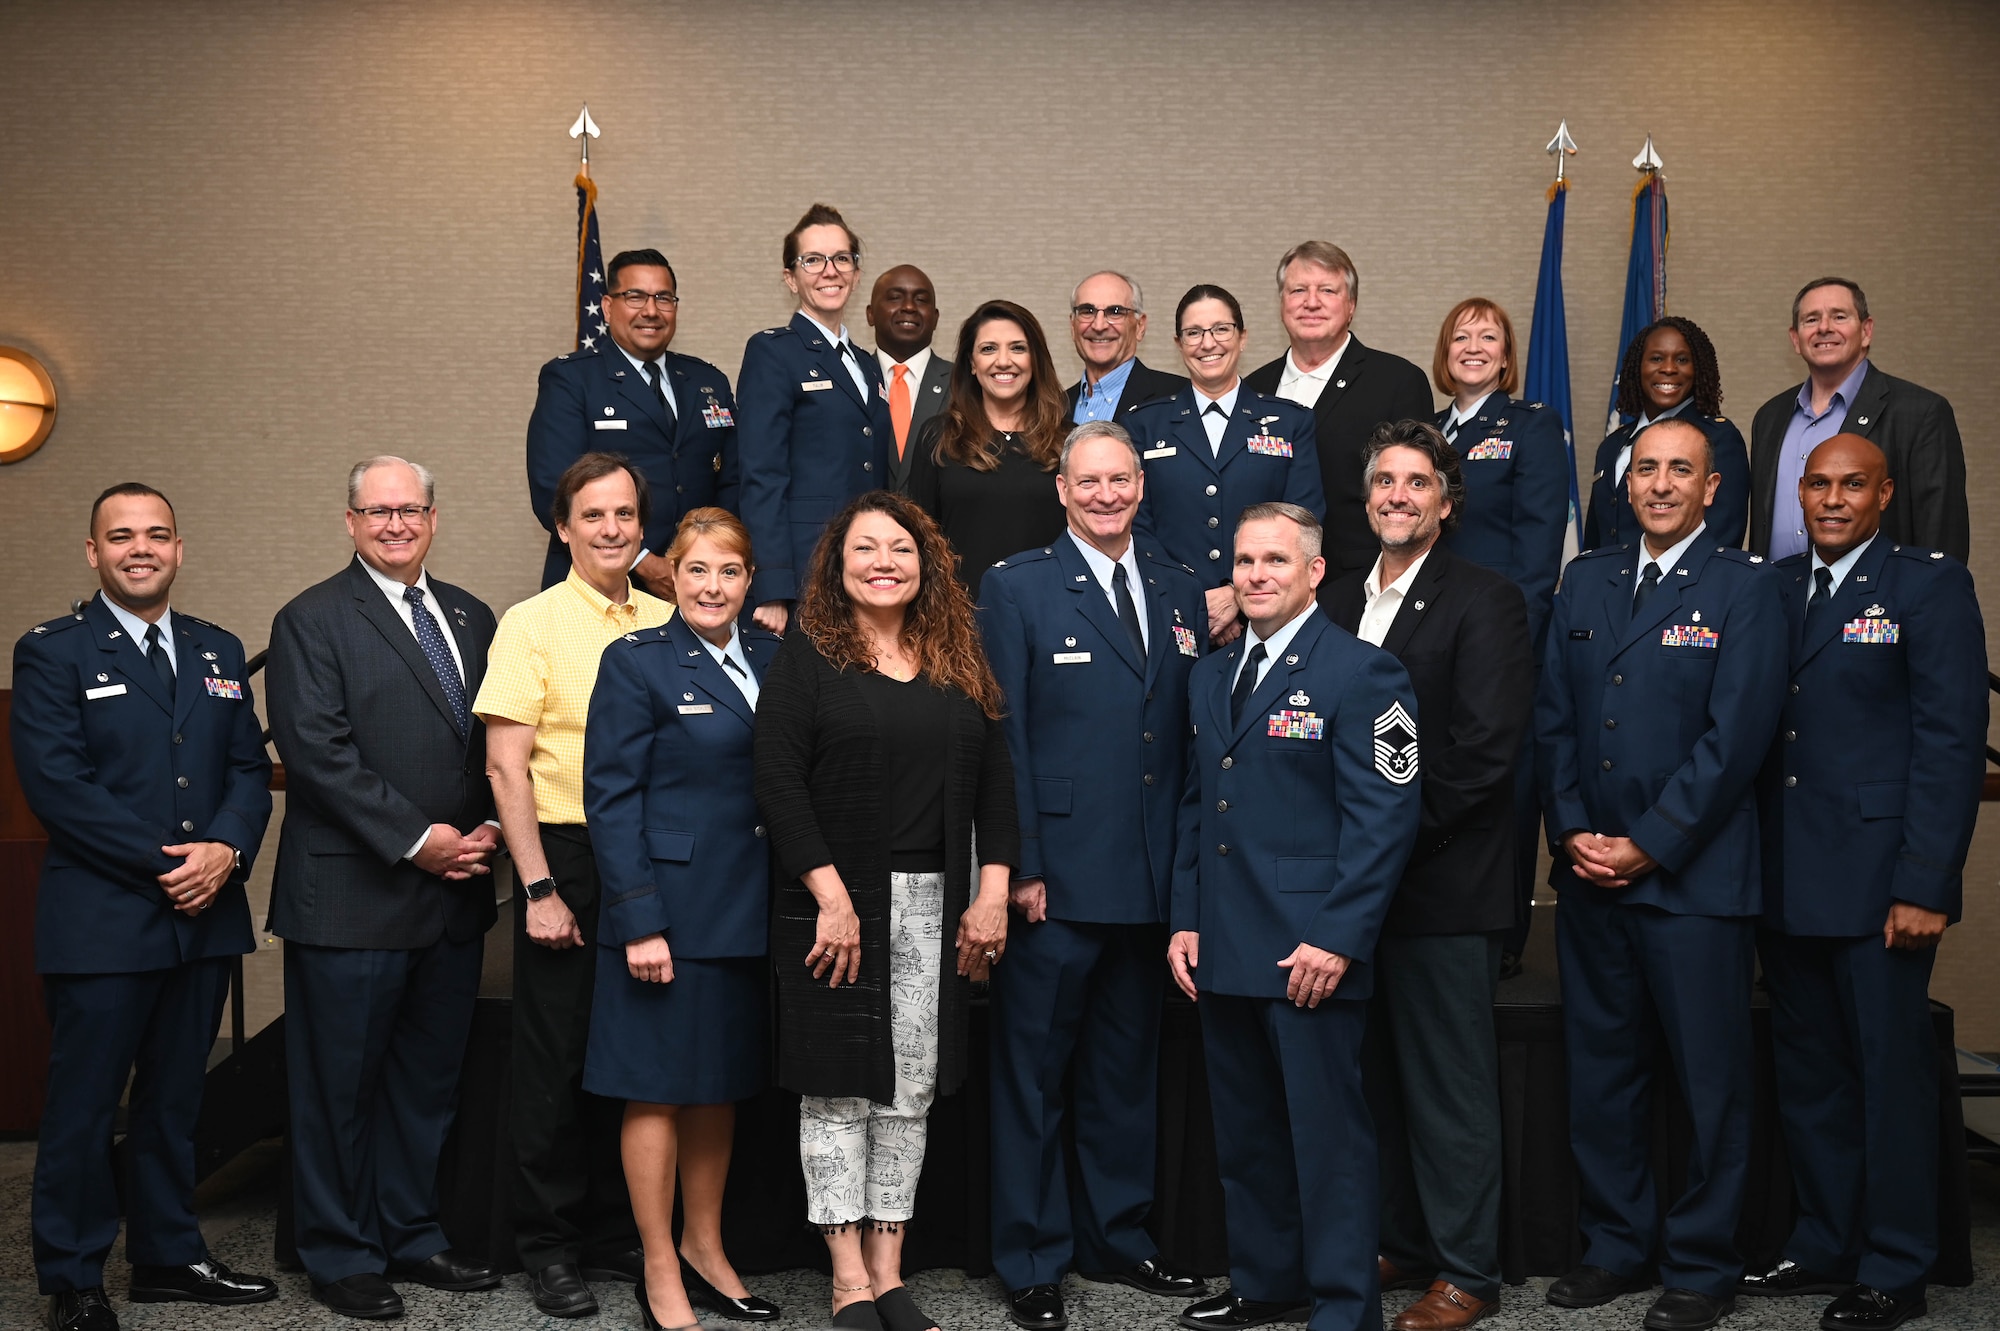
x=1052, y=794
x=675, y=846
x=1306, y=873
x=1882, y=799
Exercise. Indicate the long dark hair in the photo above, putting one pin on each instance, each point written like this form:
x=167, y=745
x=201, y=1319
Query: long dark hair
x=1707, y=393
x=965, y=435
x=938, y=625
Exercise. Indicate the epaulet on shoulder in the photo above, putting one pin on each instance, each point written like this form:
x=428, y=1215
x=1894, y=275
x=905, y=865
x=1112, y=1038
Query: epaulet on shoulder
x=1720, y=420
x=1919, y=553
x=1736, y=556
x=781, y=328
x=760, y=635
x=61, y=625
x=1600, y=552
x=197, y=619
x=589, y=353
x=1026, y=557
x=642, y=637
x=1529, y=406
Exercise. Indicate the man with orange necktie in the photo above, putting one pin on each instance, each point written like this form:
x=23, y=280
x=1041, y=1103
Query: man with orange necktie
x=902, y=309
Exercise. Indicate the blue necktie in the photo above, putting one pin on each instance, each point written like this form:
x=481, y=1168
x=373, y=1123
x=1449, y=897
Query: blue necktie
x=438, y=652
x=1128, y=610
x=163, y=665
x=1246, y=684
x=1821, y=604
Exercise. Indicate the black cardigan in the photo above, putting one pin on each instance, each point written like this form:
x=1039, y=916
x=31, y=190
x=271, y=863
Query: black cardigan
x=819, y=783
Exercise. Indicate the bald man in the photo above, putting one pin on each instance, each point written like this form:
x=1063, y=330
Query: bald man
x=1868, y=804
x=902, y=309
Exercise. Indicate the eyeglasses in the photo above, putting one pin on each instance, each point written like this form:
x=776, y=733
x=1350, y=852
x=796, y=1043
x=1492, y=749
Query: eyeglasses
x=1223, y=333
x=381, y=517
x=638, y=300
x=843, y=262
x=1112, y=313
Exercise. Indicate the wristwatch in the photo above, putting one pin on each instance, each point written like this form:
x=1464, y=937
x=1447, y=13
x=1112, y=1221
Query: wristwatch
x=540, y=888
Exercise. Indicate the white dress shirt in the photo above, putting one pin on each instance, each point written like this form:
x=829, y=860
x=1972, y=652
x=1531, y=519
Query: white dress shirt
x=1668, y=562
x=1381, y=603
x=1101, y=565
x=1840, y=567
x=917, y=364
x=1305, y=386
x=1456, y=418
x=1212, y=424
x=137, y=628
x=735, y=664
x=853, y=362
x=1274, y=646
x=660, y=369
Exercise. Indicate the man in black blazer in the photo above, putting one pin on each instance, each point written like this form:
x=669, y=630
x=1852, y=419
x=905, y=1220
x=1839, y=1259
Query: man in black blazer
x=1349, y=388
x=1845, y=394
x=381, y=892
x=1431, y=1059
x=1107, y=322
x=902, y=309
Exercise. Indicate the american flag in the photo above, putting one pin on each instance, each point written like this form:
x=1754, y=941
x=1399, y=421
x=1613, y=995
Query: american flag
x=589, y=267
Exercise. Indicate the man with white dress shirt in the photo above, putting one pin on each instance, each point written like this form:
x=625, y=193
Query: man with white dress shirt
x=903, y=311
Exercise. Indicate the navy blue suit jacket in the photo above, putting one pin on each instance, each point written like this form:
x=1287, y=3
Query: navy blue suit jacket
x=1193, y=497
x=116, y=769
x=668, y=795
x=1653, y=727
x=1296, y=823
x=1099, y=738
x=1608, y=517
x=1517, y=472
x=594, y=401
x=809, y=444
x=1872, y=788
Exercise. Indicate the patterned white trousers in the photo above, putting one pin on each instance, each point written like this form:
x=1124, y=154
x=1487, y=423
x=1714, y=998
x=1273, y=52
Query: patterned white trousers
x=862, y=1159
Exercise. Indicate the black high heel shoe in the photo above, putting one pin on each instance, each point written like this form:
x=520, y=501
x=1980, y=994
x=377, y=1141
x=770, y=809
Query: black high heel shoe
x=750, y=1309
x=650, y=1322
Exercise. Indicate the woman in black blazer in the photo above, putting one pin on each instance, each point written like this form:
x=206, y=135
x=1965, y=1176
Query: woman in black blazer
x=679, y=1021
x=879, y=755
x=985, y=466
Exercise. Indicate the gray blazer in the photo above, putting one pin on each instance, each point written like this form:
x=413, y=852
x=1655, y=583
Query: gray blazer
x=372, y=758
x=928, y=400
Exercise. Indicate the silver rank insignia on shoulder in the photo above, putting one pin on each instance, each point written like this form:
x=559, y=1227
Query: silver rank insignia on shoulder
x=1299, y=699
x=1756, y=559
x=1069, y=642
x=1874, y=612
x=1937, y=554
x=40, y=628
x=1695, y=617
x=1292, y=659
x=103, y=679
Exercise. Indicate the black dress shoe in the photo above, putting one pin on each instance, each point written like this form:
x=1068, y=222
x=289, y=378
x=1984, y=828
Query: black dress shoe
x=367, y=1296
x=81, y=1310
x=1866, y=1309
x=1589, y=1286
x=1788, y=1277
x=749, y=1308
x=559, y=1291
x=1037, y=1307
x=627, y=1267
x=205, y=1281
x=1232, y=1311
x=1153, y=1276
x=1687, y=1310
x=447, y=1271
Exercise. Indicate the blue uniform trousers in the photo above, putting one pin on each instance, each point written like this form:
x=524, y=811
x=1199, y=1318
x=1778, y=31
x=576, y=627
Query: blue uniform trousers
x=373, y=1044
x=1634, y=977
x=1076, y=1002
x=1297, y=1150
x=1857, y=1093
x=158, y=1026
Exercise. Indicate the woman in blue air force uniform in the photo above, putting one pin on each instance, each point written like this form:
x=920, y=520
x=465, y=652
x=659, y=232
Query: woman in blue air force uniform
x=679, y=1017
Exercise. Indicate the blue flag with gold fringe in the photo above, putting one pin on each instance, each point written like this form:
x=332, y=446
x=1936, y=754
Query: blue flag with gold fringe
x=1645, y=273
x=1547, y=376
x=589, y=267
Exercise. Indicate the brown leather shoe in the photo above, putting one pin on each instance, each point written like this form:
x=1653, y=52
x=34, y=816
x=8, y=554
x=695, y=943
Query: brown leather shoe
x=1395, y=1277
x=1443, y=1306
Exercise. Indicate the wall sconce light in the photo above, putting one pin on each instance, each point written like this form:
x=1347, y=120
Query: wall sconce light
x=27, y=404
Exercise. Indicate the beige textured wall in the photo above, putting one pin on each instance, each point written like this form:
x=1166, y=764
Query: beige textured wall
x=253, y=242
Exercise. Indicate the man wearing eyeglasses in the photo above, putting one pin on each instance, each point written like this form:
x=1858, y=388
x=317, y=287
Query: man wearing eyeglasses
x=671, y=415
x=381, y=892
x=1107, y=322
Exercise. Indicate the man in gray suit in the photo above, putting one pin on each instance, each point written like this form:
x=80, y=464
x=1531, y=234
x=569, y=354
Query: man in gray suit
x=381, y=892
x=903, y=311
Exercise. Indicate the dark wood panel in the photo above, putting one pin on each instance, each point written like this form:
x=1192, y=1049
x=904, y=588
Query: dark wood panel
x=24, y=1028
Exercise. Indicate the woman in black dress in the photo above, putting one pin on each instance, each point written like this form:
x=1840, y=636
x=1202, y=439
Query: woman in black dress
x=878, y=756
x=985, y=466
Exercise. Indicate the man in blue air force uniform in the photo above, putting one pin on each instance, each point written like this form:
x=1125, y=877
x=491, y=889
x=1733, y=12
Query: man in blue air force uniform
x=1658, y=698
x=1869, y=799
x=1301, y=805
x=1092, y=639
x=138, y=747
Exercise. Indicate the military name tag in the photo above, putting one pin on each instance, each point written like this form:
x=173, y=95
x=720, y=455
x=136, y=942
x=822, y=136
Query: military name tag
x=1152, y=453
x=608, y=425
x=1581, y=635
x=1290, y=724
x=716, y=416
x=222, y=688
x=1184, y=639
x=815, y=385
x=696, y=708
x=1876, y=632
x=1689, y=635
x=1490, y=450
x=1268, y=445
x=1071, y=658
x=109, y=691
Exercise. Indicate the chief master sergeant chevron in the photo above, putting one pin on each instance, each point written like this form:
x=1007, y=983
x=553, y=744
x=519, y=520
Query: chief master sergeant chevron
x=1301, y=805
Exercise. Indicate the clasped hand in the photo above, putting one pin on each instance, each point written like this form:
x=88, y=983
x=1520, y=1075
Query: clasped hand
x=1607, y=861
x=193, y=883
x=456, y=856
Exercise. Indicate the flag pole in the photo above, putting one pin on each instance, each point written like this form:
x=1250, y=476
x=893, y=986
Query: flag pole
x=585, y=129
x=1560, y=147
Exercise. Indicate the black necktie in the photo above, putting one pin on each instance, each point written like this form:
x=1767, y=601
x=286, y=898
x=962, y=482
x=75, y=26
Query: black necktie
x=1451, y=431
x=1246, y=684
x=156, y=652
x=431, y=638
x=1128, y=613
x=730, y=661
x=1820, y=605
x=656, y=375
x=1215, y=409
x=1649, y=578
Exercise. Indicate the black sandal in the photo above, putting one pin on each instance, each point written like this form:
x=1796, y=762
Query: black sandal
x=859, y=1315
x=899, y=1312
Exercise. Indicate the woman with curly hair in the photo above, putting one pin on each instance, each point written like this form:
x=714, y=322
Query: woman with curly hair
x=1669, y=370
x=878, y=756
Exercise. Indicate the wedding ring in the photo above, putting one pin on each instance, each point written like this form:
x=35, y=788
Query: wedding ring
x=991, y=955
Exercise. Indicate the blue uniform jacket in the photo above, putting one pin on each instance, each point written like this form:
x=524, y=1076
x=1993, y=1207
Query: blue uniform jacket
x=667, y=793
x=1517, y=472
x=1608, y=518
x=1193, y=497
x=116, y=769
x=1654, y=727
x=1296, y=824
x=810, y=443
x=1098, y=737
x=1872, y=787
